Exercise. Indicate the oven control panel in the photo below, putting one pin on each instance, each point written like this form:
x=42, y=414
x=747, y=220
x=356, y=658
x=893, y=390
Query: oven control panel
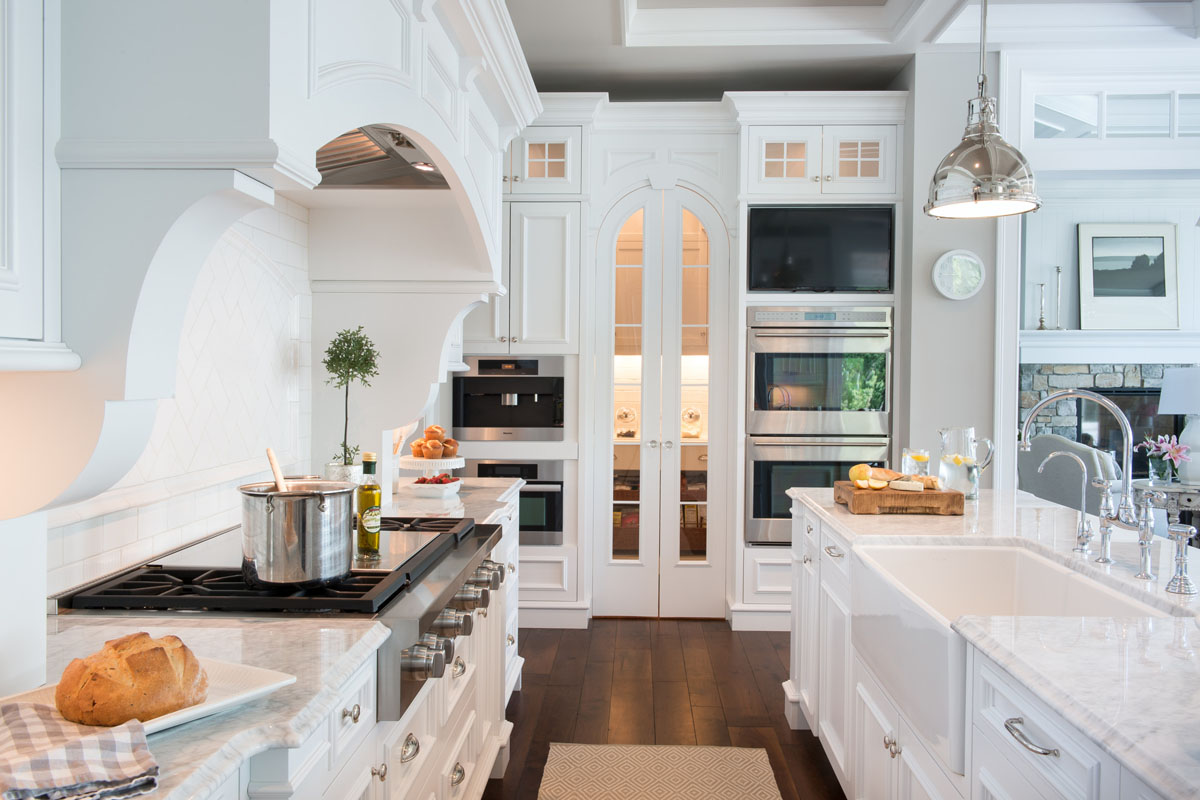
x=851, y=316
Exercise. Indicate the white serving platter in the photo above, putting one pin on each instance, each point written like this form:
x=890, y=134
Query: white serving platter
x=435, y=489
x=229, y=685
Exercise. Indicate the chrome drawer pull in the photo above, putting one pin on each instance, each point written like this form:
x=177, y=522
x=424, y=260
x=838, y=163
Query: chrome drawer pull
x=512, y=568
x=460, y=667
x=380, y=772
x=810, y=530
x=806, y=559
x=410, y=748
x=833, y=551
x=511, y=640
x=1011, y=724
x=457, y=774
x=353, y=713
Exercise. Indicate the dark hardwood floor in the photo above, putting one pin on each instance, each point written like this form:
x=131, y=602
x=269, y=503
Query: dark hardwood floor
x=658, y=682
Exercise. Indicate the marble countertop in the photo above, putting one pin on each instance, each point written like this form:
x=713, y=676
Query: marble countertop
x=1131, y=685
x=480, y=499
x=194, y=759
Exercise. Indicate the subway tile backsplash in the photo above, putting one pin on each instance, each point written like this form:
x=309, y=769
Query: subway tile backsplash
x=228, y=407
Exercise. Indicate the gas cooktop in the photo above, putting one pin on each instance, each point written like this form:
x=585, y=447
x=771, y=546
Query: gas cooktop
x=409, y=547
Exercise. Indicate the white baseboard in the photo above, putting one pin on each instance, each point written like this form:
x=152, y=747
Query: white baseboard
x=791, y=708
x=553, y=617
x=749, y=618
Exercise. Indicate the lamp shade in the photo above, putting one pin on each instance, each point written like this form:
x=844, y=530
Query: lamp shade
x=1180, y=391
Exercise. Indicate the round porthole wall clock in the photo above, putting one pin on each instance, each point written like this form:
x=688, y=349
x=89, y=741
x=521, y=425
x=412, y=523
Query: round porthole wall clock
x=959, y=274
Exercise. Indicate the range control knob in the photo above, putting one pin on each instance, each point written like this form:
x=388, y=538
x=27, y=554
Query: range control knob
x=453, y=623
x=485, y=577
x=469, y=598
x=420, y=663
x=494, y=567
x=435, y=642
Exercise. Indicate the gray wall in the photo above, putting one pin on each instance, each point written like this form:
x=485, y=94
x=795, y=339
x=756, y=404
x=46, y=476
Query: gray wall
x=945, y=377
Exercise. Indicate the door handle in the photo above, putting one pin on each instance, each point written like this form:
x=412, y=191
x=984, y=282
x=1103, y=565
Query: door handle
x=652, y=444
x=668, y=444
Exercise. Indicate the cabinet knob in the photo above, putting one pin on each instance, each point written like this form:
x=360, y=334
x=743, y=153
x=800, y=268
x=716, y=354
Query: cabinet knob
x=806, y=560
x=504, y=338
x=380, y=772
x=512, y=640
x=516, y=178
x=505, y=179
x=457, y=774
x=353, y=713
x=512, y=568
x=828, y=178
x=514, y=339
x=816, y=178
x=809, y=530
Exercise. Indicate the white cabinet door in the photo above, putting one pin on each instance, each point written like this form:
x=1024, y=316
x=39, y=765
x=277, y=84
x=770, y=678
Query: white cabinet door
x=833, y=713
x=858, y=159
x=918, y=775
x=993, y=777
x=485, y=329
x=21, y=303
x=784, y=159
x=808, y=659
x=547, y=160
x=876, y=730
x=544, y=278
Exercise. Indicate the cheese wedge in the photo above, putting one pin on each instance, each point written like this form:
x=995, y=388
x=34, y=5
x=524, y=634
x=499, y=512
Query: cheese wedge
x=908, y=486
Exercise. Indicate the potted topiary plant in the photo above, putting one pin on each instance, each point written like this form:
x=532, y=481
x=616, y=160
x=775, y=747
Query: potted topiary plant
x=350, y=357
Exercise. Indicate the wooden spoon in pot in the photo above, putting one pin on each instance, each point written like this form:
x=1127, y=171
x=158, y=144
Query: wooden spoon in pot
x=280, y=483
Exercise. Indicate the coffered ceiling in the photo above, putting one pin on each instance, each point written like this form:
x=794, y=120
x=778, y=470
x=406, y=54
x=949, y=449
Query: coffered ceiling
x=683, y=49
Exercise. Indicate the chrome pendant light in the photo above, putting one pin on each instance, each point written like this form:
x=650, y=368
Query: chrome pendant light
x=984, y=176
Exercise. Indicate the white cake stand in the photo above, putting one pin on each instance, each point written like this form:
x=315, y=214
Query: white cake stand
x=430, y=466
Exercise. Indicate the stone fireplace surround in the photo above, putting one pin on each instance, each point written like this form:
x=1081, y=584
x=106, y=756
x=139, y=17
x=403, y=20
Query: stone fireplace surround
x=1039, y=380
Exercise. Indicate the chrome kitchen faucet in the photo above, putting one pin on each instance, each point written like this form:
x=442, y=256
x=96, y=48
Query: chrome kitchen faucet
x=1083, y=531
x=1125, y=515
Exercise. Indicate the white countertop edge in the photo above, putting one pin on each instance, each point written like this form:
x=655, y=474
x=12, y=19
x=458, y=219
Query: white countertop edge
x=1154, y=773
x=208, y=776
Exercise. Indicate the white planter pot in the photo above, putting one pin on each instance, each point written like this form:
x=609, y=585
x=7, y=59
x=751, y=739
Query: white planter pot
x=337, y=471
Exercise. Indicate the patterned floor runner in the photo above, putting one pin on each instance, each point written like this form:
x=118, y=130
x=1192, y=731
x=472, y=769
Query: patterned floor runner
x=656, y=772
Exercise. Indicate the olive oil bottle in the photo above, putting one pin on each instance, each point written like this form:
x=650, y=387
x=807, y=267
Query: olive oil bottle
x=368, y=498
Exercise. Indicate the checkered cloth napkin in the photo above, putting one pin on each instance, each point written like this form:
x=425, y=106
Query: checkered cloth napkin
x=45, y=757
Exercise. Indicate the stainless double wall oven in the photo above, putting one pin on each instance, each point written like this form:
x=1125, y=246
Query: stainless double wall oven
x=541, y=504
x=818, y=401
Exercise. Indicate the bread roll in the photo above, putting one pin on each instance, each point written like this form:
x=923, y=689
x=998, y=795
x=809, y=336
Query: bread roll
x=418, y=448
x=449, y=448
x=134, y=677
x=435, y=433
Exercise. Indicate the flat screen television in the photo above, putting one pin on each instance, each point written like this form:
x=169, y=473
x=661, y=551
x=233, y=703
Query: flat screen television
x=821, y=249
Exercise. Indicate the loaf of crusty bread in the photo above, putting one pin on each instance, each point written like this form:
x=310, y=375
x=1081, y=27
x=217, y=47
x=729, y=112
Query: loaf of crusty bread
x=134, y=677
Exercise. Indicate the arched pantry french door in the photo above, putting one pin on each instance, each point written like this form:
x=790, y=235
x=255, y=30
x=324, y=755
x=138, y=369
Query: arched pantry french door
x=660, y=538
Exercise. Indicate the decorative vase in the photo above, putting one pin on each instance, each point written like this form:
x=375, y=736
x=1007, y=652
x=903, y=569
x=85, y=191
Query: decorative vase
x=1189, y=471
x=337, y=471
x=1162, y=471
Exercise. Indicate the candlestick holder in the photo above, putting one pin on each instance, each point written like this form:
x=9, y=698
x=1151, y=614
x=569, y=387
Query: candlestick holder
x=1042, y=307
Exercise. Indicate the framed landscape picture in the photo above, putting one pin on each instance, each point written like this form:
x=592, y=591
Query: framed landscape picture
x=1128, y=277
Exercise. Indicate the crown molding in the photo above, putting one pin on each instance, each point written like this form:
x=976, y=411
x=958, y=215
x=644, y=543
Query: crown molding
x=819, y=108
x=687, y=117
x=570, y=108
x=481, y=288
x=20, y=355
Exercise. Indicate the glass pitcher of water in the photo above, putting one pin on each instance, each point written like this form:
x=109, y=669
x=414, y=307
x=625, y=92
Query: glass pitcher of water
x=960, y=464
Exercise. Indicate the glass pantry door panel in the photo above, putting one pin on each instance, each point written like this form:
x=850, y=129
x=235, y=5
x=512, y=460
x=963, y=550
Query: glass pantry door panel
x=628, y=298
x=693, y=390
x=693, y=495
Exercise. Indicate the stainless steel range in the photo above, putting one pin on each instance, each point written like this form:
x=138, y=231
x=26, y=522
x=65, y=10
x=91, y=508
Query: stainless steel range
x=431, y=575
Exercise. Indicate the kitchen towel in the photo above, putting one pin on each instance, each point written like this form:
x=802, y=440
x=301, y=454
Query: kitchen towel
x=656, y=772
x=43, y=756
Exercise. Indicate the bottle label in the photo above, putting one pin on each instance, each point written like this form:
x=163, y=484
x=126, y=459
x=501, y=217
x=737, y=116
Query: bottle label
x=370, y=519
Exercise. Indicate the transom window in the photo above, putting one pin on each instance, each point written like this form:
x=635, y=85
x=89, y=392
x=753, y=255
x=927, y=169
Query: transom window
x=785, y=159
x=547, y=159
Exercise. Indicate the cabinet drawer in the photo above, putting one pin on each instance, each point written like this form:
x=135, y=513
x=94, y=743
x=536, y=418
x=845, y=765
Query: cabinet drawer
x=458, y=773
x=835, y=553
x=354, y=715
x=993, y=777
x=1017, y=724
x=512, y=637
x=408, y=748
x=460, y=672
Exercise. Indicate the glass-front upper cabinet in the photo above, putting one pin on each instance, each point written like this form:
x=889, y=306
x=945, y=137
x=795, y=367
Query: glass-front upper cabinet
x=802, y=160
x=546, y=160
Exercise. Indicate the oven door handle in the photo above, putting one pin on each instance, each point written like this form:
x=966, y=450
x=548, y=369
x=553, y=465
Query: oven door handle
x=834, y=334
x=537, y=489
x=822, y=443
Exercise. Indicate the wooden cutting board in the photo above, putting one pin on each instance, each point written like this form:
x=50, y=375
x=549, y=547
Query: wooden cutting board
x=894, y=501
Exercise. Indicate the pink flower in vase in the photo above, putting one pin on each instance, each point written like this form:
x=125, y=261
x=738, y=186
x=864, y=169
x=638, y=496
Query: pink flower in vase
x=1175, y=452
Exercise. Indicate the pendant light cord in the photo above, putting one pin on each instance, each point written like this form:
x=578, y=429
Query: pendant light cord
x=982, y=78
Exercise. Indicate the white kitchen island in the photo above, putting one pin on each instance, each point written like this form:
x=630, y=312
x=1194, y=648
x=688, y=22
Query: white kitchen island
x=1088, y=705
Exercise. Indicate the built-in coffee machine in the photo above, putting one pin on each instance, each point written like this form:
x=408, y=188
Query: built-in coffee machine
x=509, y=399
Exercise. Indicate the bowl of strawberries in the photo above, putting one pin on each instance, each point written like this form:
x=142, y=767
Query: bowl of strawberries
x=443, y=485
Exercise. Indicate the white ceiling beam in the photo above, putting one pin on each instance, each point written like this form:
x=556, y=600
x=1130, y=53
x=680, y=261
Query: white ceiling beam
x=1093, y=23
